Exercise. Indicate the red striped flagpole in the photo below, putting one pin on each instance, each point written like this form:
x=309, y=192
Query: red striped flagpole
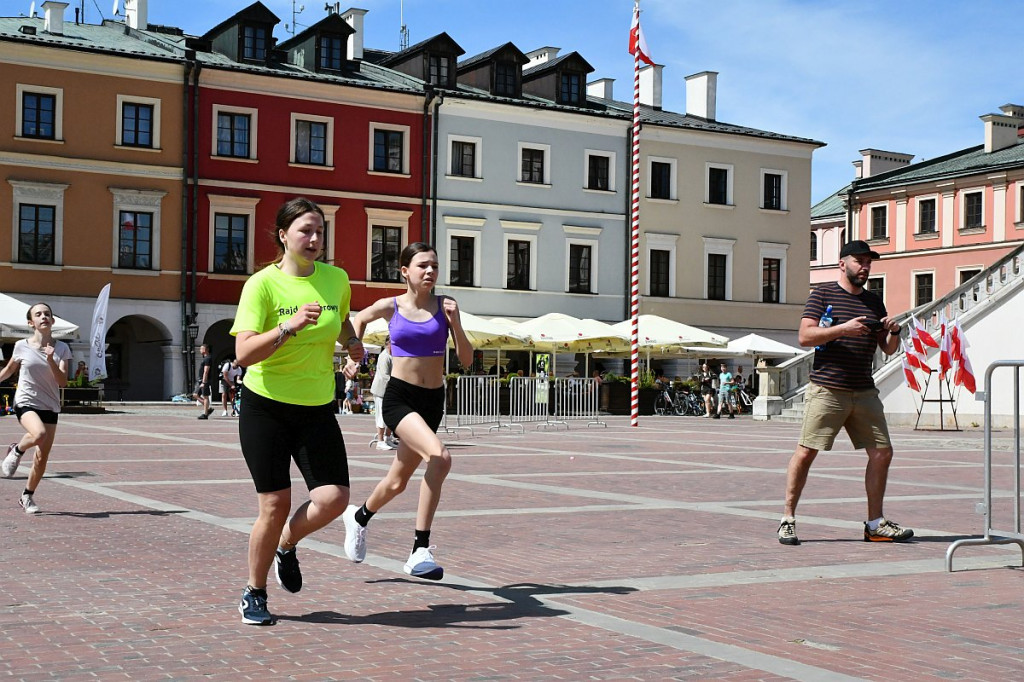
x=634, y=293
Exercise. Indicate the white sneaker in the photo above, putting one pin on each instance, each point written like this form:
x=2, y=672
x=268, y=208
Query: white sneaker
x=11, y=461
x=385, y=445
x=28, y=504
x=224, y=413
x=355, y=535
x=421, y=564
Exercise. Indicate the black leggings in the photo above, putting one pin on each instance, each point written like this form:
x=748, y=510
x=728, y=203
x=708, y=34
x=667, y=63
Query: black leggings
x=273, y=433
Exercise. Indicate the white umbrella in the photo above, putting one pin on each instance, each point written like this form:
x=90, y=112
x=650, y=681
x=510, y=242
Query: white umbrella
x=13, y=324
x=761, y=346
x=559, y=332
x=658, y=334
x=480, y=332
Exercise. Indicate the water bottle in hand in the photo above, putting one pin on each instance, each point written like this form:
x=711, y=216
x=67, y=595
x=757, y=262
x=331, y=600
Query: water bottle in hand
x=825, y=321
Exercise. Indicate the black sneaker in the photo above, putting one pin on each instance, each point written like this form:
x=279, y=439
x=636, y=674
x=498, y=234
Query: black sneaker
x=288, y=574
x=787, y=531
x=732, y=416
x=253, y=607
x=203, y=416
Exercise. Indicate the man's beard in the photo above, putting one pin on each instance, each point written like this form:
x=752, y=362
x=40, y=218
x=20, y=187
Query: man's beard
x=857, y=279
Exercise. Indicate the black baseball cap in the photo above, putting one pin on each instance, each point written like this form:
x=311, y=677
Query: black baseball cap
x=856, y=248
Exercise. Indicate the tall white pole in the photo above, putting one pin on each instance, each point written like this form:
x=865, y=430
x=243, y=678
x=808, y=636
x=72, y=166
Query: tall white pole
x=634, y=295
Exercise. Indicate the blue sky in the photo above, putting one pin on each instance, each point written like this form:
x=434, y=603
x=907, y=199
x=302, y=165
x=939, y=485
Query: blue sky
x=908, y=76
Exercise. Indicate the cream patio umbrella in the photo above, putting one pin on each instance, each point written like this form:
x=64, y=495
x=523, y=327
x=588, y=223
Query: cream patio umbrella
x=755, y=345
x=481, y=333
x=661, y=336
x=558, y=332
x=13, y=324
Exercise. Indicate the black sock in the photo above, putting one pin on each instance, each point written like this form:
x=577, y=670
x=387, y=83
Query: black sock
x=363, y=515
x=29, y=492
x=19, y=451
x=422, y=539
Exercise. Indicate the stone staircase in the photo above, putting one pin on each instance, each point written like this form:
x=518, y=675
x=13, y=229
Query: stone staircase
x=974, y=299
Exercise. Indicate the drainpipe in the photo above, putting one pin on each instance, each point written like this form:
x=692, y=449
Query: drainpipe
x=183, y=293
x=424, y=160
x=193, y=315
x=438, y=100
x=849, y=211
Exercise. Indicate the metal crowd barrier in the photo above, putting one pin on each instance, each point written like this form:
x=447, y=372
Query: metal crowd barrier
x=445, y=426
x=528, y=401
x=576, y=399
x=477, y=403
x=992, y=535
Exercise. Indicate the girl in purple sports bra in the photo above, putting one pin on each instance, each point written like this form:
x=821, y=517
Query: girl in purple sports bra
x=419, y=323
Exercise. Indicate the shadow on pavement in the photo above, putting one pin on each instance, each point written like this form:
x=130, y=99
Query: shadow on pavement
x=108, y=514
x=522, y=602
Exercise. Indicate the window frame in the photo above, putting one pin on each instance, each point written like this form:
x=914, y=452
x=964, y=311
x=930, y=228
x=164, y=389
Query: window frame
x=21, y=89
x=593, y=244
x=137, y=201
x=515, y=74
x=267, y=40
x=914, y=275
x=38, y=194
x=961, y=269
x=729, y=182
x=444, y=75
x=878, y=278
x=721, y=247
x=450, y=236
x=882, y=206
x=405, y=130
x=155, y=104
x=783, y=190
x=253, y=115
x=384, y=217
x=779, y=252
x=814, y=246
x=588, y=154
x=919, y=201
x=478, y=143
x=545, y=150
x=661, y=242
x=531, y=239
x=321, y=49
x=672, y=178
x=328, y=121
x=970, y=193
x=231, y=205
x=573, y=99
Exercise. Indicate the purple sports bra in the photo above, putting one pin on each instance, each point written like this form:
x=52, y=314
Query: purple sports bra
x=418, y=339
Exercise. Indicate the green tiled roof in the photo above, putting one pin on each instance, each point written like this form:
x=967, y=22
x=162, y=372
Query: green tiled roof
x=830, y=206
x=970, y=161
x=108, y=37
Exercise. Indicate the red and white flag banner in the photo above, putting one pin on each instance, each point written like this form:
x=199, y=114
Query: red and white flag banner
x=909, y=377
x=914, y=359
x=922, y=333
x=636, y=39
x=964, y=375
x=945, y=356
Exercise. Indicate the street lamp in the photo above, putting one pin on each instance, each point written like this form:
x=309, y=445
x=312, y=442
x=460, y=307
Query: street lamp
x=193, y=333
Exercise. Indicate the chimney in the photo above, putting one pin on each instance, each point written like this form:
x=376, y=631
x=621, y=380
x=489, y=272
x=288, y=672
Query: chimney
x=53, y=17
x=136, y=13
x=701, y=91
x=875, y=161
x=858, y=170
x=1000, y=131
x=541, y=55
x=354, y=18
x=601, y=88
x=650, y=85
x=1015, y=110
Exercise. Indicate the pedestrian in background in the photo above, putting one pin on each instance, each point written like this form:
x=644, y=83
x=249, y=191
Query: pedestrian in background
x=384, y=439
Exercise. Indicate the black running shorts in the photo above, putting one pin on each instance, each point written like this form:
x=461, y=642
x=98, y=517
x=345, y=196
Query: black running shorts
x=402, y=398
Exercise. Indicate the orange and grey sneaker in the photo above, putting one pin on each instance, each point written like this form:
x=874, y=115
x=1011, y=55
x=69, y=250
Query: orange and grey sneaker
x=887, y=531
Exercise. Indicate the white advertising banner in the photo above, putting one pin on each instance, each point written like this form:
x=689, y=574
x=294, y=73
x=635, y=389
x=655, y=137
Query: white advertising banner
x=97, y=337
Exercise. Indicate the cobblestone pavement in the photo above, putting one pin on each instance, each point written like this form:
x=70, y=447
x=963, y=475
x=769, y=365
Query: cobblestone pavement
x=589, y=554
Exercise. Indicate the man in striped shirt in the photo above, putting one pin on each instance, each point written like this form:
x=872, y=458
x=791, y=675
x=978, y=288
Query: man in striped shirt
x=842, y=392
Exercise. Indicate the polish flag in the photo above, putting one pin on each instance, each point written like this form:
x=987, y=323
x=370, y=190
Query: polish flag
x=945, y=356
x=909, y=376
x=636, y=39
x=957, y=341
x=965, y=373
x=915, y=360
x=916, y=340
x=926, y=338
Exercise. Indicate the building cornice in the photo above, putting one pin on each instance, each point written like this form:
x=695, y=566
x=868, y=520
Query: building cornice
x=63, y=163
x=97, y=64
x=526, y=115
x=311, y=91
x=724, y=140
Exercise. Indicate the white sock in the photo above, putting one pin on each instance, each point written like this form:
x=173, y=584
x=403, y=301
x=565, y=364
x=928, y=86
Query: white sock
x=873, y=524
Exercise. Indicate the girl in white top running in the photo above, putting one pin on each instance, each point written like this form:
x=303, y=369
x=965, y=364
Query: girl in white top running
x=43, y=365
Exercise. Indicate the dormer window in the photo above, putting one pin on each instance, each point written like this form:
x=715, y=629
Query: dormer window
x=570, y=88
x=254, y=42
x=506, y=75
x=438, y=69
x=331, y=50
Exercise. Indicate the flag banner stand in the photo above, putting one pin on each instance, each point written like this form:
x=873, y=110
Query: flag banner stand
x=947, y=400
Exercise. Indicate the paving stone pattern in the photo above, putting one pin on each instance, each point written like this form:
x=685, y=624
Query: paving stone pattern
x=590, y=554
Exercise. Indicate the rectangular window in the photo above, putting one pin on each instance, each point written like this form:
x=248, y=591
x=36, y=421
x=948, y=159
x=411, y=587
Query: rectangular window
x=461, y=262
x=659, y=272
x=879, y=229
x=386, y=244
x=718, y=186
x=233, y=135
x=505, y=74
x=254, y=43
x=773, y=191
x=770, y=271
x=876, y=285
x=137, y=124
x=716, y=276
x=438, y=70
x=926, y=216
x=311, y=142
x=38, y=116
x=332, y=53
x=518, y=265
x=387, y=151
x=135, y=240
x=924, y=288
x=597, y=172
x=533, y=166
x=972, y=210
x=36, y=233
x=966, y=275
x=569, y=89
x=230, y=233
x=814, y=246
x=661, y=180
x=464, y=159
x=579, y=268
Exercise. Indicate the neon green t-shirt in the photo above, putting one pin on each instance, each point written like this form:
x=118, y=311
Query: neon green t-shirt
x=301, y=371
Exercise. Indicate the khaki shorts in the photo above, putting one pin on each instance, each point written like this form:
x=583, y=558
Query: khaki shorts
x=827, y=410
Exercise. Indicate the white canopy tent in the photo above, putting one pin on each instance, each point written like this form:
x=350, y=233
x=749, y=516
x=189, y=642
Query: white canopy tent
x=14, y=326
x=762, y=347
